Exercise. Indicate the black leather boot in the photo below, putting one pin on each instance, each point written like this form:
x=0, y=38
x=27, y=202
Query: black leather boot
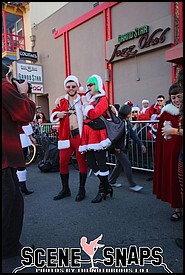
x=107, y=186
x=24, y=189
x=65, y=192
x=81, y=193
x=104, y=189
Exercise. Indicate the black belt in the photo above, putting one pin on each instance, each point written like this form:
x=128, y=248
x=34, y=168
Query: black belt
x=74, y=132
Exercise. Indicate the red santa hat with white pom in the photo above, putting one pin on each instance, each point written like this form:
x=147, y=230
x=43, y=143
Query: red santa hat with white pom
x=81, y=88
x=75, y=79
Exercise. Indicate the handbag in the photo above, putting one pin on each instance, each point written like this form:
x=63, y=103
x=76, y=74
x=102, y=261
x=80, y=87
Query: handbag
x=96, y=124
x=115, y=126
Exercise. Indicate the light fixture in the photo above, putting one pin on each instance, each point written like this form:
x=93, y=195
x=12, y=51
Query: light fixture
x=33, y=39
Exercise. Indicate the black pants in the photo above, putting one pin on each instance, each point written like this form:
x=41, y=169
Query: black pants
x=25, y=151
x=96, y=160
x=12, y=211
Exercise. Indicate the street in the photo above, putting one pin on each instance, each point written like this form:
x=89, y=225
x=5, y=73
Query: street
x=128, y=219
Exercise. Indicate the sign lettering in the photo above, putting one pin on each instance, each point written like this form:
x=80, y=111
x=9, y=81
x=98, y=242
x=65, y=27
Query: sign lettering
x=145, y=41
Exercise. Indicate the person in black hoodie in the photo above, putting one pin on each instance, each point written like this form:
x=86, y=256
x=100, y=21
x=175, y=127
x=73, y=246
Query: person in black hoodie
x=121, y=149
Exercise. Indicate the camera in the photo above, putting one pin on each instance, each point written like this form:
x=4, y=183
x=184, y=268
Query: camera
x=22, y=81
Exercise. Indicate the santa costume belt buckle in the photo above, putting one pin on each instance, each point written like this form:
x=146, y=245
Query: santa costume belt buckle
x=74, y=132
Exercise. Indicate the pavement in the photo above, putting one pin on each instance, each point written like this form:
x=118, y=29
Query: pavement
x=126, y=223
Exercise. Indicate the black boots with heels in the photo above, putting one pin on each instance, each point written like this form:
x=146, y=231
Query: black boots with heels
x=104, y=189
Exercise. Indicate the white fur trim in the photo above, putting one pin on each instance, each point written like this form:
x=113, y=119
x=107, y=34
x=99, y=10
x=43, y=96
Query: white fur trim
x=171, y=109
x=71, y=78
x=106, y=173
x=97, y=173
x=95, y=146
x=52, y=117
x=87, y=108
x=92, y=98
x=21, y=175
x=63, y=144
x=28, y=130
x=79, y=114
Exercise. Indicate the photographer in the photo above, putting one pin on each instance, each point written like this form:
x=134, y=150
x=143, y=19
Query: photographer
x=16, y=107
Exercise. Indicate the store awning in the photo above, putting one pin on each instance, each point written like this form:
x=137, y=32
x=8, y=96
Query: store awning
x=175, y=54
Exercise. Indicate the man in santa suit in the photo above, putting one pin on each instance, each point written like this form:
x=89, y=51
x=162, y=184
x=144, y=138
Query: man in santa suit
x=145, y=106
x=154, y=110
x=68, y=113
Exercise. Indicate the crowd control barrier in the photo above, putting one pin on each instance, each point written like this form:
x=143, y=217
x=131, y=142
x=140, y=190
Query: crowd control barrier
x=144, y=129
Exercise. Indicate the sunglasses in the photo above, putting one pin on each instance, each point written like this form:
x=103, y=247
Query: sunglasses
x=90, y=84
x=134, y=112
x=159, y=100
x=71, y=87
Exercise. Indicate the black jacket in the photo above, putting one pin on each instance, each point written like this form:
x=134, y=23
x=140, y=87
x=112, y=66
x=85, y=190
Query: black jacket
x=129, y=133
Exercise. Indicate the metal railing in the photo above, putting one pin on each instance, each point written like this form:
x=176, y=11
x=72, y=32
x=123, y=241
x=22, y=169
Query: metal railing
x=138, y=159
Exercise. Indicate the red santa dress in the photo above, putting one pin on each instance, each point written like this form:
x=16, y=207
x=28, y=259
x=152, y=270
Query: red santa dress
x=165, y=182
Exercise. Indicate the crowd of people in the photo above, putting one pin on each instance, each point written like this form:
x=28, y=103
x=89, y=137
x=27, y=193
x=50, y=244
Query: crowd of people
x=75, y=113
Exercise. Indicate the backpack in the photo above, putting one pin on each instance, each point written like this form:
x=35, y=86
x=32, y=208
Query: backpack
x=50, y=160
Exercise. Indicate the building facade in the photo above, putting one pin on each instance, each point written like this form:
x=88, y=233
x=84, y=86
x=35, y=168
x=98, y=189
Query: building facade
x=137, y=48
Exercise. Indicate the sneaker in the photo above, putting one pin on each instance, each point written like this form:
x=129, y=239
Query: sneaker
x=136, y=188
x=116, y=185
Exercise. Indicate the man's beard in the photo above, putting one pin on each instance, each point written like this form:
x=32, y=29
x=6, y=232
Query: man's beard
x=72, y=94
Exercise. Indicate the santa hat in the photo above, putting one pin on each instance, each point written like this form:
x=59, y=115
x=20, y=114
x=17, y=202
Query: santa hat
x=135, y=108
x=71, y=78
x=145, y=101
x=130, y=103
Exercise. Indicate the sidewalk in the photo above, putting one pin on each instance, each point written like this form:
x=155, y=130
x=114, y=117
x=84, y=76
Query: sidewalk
x=128, y=218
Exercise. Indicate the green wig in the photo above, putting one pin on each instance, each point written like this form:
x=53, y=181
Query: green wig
x=94, y=81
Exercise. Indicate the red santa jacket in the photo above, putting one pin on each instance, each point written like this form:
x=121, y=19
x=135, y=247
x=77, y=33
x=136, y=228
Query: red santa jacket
x=152, y=110
x=95, y=139
x=64, y=127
